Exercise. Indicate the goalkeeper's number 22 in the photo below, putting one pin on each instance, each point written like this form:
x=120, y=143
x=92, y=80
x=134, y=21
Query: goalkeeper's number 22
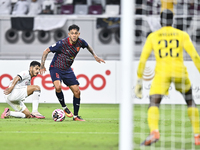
x=166, y=44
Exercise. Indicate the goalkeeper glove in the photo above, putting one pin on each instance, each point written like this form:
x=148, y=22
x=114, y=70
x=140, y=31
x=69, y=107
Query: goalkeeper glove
x=138, y=89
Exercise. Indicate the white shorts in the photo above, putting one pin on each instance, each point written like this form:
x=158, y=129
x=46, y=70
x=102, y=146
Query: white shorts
x=16, y=97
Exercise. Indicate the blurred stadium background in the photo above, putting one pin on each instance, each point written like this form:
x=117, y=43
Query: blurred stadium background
x=99, y=21
x=24, y=36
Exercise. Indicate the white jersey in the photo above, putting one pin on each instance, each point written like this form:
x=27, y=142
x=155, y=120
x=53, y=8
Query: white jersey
x=5, y=7
x=25, y=79
x=35, y=8
x=20, y=8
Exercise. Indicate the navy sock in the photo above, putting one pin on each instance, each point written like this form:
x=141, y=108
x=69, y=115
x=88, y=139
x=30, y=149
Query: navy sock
x=76, y=104
x=61, y=99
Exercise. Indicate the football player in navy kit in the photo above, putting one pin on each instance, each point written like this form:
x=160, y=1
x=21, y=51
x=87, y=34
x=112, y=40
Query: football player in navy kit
x=60, y=68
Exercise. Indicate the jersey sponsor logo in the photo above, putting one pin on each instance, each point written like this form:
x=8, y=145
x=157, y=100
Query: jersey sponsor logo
x=53, y=45
x=57, y=75
x=27, y=83
x=148, y=74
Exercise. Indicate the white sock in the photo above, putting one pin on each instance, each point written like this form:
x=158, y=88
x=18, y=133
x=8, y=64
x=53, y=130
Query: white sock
x=35, y=101
x=17, y=114
x=64, y=108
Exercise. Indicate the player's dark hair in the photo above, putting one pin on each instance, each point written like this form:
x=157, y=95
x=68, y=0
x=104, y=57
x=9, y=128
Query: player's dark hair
x=73, y=27
x=34, y=63
x=166, y=17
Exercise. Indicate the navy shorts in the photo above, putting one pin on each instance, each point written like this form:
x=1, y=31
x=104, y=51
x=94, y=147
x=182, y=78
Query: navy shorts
x=68, y=77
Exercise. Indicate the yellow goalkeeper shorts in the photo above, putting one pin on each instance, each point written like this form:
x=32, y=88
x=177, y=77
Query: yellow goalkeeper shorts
x=161, y=84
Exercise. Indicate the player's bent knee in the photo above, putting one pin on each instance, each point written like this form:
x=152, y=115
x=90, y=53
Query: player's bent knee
x=155, y=100
x=77, y=93
x=188, y=95
x=58, y=88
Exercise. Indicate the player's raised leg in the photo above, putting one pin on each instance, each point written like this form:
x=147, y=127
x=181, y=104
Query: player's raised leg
x=60, y=96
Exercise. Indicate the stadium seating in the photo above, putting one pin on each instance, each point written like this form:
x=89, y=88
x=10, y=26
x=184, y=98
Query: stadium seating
x=143, y=8
x=75, y=2
x=81, y=9
x=14, y=1
x=194, y=10
x=179, y=9
x=112, y=9
x=68, y=2
x=67, y=9
x=115, y=1
x=149, y=7
x=58, y=1
x=95, y=9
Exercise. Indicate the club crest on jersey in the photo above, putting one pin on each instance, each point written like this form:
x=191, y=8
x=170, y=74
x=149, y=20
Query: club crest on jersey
x=78, y=48
x=72, y=57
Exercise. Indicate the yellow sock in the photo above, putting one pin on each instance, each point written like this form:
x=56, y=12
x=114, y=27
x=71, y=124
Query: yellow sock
x=153, y=118
x=193, y=114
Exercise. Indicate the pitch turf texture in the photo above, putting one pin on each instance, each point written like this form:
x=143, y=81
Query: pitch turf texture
x=100, y=131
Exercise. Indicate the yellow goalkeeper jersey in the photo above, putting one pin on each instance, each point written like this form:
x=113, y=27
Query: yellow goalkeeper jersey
x=168, y=44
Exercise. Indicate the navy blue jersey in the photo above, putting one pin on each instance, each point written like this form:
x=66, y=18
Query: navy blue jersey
x=65, y=52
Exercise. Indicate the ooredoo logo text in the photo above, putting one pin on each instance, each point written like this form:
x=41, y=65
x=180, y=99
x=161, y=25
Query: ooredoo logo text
x=47, y=84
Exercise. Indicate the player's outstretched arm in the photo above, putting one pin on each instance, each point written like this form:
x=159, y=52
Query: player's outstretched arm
x=190, y=49
x=44, y=56
x=99, y=60
x=9, y=89
x=146, y=51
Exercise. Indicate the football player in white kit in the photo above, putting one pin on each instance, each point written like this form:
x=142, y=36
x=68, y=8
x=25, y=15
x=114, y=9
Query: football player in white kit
x=20, y=88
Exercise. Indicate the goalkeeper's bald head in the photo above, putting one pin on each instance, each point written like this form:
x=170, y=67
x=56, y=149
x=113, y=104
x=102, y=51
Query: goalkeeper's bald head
x=166, y=17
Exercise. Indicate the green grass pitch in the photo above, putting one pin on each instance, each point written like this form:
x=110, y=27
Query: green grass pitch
x=100, y=131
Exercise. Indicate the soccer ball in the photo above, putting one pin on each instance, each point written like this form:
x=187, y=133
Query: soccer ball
x=58, y=115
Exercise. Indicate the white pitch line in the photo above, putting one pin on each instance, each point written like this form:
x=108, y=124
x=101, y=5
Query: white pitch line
x=114, y=133
x=141, y=119
x=36, y=132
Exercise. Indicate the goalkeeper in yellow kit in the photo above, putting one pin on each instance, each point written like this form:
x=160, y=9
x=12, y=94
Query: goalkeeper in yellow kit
x=168, y=44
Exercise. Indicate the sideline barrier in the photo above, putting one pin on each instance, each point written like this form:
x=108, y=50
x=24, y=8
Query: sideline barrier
x=99, y=85
x=96, y=85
